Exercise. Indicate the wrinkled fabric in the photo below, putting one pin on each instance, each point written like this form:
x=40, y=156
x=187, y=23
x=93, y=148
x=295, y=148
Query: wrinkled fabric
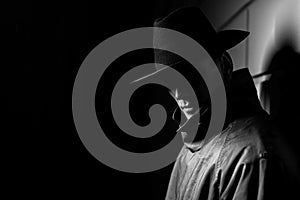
x=241, y=162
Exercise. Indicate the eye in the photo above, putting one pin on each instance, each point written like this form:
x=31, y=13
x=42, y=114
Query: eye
x=181, y=103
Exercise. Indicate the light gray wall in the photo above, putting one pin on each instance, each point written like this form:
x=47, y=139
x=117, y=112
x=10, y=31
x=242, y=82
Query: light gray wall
x=263, y=18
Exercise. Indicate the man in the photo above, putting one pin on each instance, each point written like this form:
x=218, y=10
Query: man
x=242, y=161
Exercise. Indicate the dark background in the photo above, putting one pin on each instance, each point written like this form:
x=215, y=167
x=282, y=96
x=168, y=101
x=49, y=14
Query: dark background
x=44, y=44
x=46, y=156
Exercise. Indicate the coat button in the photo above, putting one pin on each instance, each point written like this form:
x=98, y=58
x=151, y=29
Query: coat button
x=263, y=154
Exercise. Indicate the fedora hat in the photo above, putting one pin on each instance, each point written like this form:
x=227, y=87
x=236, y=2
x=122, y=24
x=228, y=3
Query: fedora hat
x=192, y=22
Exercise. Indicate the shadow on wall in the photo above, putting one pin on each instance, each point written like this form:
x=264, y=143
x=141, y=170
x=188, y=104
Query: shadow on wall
x=280, y=97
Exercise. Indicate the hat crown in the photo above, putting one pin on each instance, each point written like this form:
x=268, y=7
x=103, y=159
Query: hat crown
x=193, y=23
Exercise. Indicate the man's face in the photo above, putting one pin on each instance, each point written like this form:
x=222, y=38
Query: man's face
x=187, y=108
x=189, y=96
x=189, y=111
x=192, y=103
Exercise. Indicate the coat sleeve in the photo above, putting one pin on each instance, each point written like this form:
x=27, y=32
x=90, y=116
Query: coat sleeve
x=262, y=179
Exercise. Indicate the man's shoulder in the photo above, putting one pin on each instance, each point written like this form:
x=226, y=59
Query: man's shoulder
x=250, y=138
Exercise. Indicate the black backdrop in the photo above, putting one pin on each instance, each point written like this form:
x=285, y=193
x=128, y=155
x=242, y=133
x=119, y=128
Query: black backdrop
x=43, y=45
x=46, y=157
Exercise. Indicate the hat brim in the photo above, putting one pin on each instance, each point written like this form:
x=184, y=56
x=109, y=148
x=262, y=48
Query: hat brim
x=230, y=38
x=227, y=39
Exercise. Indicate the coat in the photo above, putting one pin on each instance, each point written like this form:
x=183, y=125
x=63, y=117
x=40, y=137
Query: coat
x=244, y=161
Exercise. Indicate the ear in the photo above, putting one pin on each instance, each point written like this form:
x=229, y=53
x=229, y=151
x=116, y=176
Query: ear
x=226, y=65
